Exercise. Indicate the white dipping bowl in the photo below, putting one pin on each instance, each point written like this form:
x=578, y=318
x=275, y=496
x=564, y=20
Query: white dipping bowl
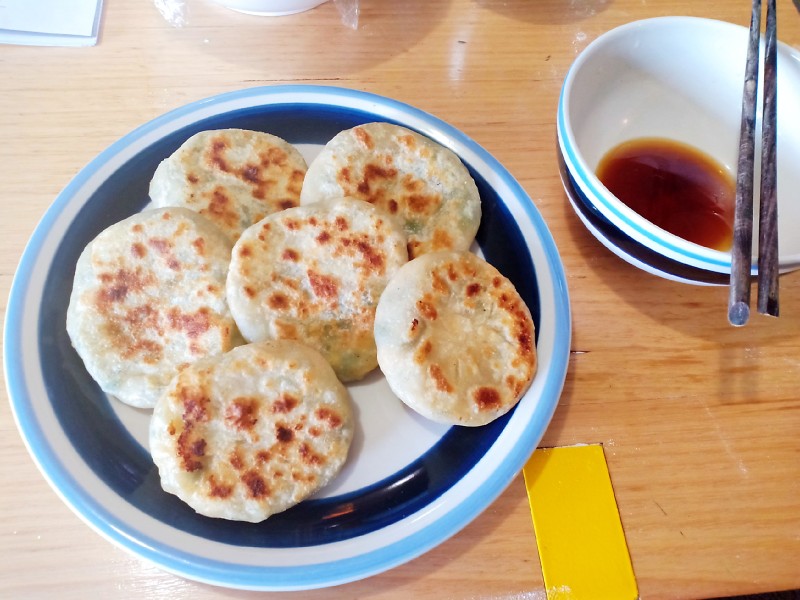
x=270, y=8
x=679, y=78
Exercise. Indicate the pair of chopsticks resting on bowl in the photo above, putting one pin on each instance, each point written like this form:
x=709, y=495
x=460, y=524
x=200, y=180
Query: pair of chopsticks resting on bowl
x=741, y=254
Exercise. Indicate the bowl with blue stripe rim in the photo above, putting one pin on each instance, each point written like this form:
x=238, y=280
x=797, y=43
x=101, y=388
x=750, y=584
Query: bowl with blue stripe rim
x=627, y=248
x=678, y=78
x=409, y=484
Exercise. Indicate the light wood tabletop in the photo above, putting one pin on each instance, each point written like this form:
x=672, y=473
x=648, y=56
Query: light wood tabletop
x=700, y=421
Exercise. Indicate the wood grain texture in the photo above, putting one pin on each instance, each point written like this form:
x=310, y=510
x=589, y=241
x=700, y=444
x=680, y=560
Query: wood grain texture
x=699, y=420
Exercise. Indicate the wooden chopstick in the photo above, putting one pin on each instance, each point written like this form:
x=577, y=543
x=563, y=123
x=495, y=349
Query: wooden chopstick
x=741, y=252
x=768, y=267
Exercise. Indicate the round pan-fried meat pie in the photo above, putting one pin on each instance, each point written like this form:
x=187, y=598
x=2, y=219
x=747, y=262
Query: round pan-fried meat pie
x=233, y=177
x=253, y=432
x=148, y=299
x=455, y=339
x=422, y=184
x=314, y=273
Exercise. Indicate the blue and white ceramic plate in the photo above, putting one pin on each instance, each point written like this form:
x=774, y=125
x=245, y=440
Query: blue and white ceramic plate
x=409, y=484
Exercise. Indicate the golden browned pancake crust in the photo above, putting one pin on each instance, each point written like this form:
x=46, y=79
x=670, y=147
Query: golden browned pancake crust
x=148, y=299
x=455, y=339
x=423, y=185
x=253, y=432
x=314, y=273
x=233, y=177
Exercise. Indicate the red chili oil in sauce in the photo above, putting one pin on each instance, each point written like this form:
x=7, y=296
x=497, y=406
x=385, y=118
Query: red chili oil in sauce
x=674, y=186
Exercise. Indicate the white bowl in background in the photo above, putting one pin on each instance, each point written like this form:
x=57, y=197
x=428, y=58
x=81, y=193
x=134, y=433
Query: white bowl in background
x=270, y=8
x=679, y=78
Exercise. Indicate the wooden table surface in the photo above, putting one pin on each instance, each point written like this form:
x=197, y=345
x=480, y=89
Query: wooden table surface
x=700, y=421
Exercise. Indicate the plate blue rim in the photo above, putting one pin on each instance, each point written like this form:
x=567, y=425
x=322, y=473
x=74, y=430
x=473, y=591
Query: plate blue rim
x=229, y=574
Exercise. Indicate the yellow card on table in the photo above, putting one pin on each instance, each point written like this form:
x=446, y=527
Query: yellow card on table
x=578, y=530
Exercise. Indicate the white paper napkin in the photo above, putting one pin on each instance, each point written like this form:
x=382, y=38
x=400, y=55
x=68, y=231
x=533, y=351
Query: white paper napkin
x=50, y=22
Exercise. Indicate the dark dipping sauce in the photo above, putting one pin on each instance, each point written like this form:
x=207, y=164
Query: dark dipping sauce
x=674, y=186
